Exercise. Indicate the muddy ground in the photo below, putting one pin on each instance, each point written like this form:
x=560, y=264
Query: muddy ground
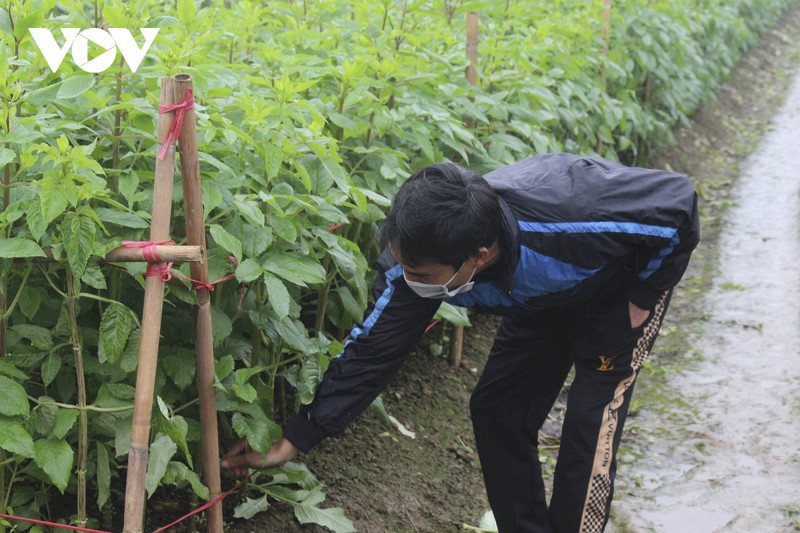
x=387, y=482
x=717, y=448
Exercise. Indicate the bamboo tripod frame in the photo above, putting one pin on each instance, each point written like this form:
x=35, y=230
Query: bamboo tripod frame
x=173, y=90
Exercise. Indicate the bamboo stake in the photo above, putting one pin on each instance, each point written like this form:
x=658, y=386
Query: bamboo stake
x=606, y=31
x=472, y=47
x=151, y=329
x=196, y=235
x=456, y=345
x=606, y=26
x=457, y=332
x=472, y=55
x=168, y=253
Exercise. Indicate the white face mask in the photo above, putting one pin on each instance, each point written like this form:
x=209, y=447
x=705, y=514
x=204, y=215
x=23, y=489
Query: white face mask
x=432, y=290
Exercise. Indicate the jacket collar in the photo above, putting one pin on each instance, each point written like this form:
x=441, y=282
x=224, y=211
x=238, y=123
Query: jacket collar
x=503, y=273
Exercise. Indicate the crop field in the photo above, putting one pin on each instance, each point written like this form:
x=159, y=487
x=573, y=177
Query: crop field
x=309, y=115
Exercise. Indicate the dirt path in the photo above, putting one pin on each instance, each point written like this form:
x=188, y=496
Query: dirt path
x=734, y=465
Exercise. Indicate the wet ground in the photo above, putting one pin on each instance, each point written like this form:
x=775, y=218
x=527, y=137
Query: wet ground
x=725, y=457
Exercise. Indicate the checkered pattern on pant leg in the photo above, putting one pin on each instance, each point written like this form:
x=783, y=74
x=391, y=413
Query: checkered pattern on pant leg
x=595, y=516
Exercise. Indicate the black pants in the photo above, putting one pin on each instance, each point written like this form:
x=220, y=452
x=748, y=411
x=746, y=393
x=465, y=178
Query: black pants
x=528, y=364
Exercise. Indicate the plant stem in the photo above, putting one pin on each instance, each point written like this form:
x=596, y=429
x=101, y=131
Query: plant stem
x=52, y=285
x=116, y=132
x=7, y=496
x=322, y=303
x=10, y=309
x=83, y=421
x=4, y=288
x=186, y=405
x=108, y=301
x=89, y=407
x=2, y=486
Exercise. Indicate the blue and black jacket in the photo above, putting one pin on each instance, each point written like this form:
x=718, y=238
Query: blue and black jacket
x=572, y=227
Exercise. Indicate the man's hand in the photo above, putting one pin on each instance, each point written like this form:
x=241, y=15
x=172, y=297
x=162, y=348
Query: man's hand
x=638, y=315
x=241, y=457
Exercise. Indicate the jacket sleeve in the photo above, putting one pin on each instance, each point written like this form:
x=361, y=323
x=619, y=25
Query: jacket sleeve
x=661, y=268
x=648, y=216
x=666, y=207
x=372, y=355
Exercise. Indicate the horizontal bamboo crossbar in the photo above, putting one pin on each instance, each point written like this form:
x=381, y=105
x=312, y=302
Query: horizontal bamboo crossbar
x=167, y=254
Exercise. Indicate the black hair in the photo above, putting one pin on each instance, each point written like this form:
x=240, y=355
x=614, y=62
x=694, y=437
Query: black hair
x=443, y=214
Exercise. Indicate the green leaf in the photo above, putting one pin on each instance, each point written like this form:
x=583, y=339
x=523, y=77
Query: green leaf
x=283, y=228
x=103, y=475
x=274, y=159
x=260, y=433
x=65, y=419
x=331, y=169
x=173, y=426
x=130, y=355
x=36, y=223
x=243, y=375
x=52, y=198
x=178, y=474
x=6, y=156
x=79, y=235
x=50, y=368
x=224, y=367
x=115, y=328
x=296, y=269
x=94, y=277
x=180, y=367
x=186, y=11
x=248, y=270
x=161, y=451
x=349, y=304
x=255, y=240
x=30, y=301
x=252, y=212
x=455, y=315
x=289, y=332
x=34, y=19
x=226, y=240
x=40, y=337
x=55, y=458
x=221, y=326
x=5, y=23
x=277, y=295
x=19, y=247
x=121, y=391
x=343, y=121
x=115, y=18
x=10, y=370
x=310, y=376
x=121, y=218
x=15, y=400
x=128, y=183
x=21, y=135
x=245, y=392
x=249, y=508
x=334, y=519
x=122, y=436
x=14, y=438
x=75, y=86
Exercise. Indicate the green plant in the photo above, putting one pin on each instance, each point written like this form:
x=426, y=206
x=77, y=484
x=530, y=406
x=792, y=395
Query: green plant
x=310, y=116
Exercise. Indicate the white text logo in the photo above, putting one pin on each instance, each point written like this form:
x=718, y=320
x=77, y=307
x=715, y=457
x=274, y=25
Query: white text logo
x=78, y=41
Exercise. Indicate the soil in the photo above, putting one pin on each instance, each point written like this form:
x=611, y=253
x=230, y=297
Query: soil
x=387, y=482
